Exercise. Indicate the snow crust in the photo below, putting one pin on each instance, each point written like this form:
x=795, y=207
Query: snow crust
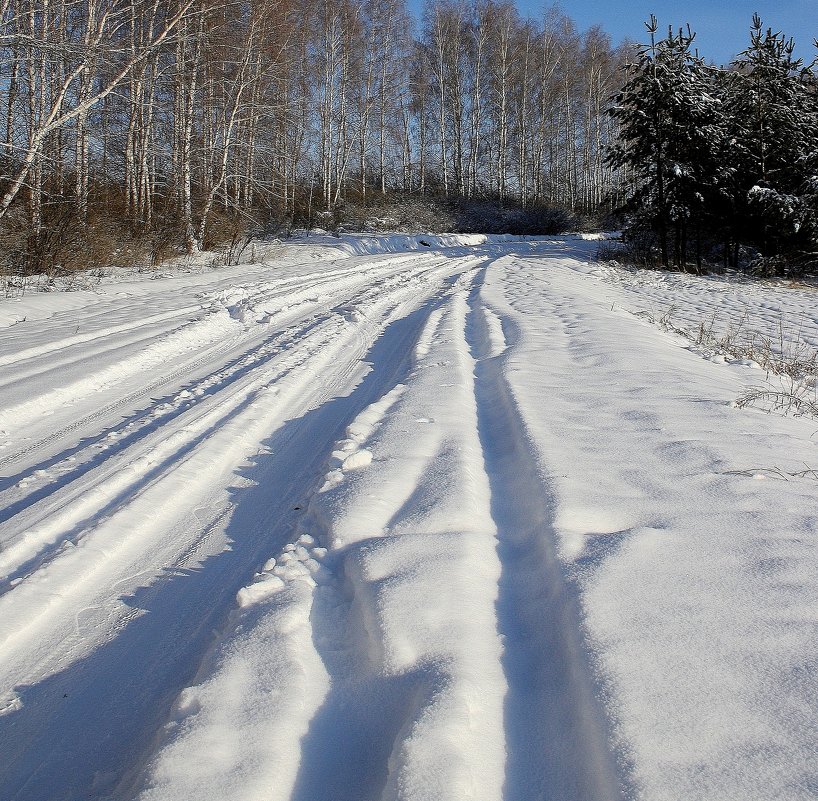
x=405, y=518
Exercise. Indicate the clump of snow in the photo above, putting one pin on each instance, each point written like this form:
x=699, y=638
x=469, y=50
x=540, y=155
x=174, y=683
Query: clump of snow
x=356, y=460
x=259, y=590
x=299, y=561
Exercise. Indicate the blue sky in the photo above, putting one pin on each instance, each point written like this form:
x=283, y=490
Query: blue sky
x=722, y=26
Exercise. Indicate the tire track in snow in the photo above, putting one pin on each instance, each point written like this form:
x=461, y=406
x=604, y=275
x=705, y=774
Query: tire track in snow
x=15, y=359
x=288, y=288
x=81, y=538
x=406, y=631
x=73, y=462
x=346, y=750
x=232, y=388
x=225, y=312
x=371, y=704
x=556, y=730
x=140, y=532
x=143, y=439
x=164, y=409
x=106, y=411
x=270, y=638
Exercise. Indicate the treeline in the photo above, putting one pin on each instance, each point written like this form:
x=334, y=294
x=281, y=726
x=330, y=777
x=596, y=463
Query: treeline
x=723, y=162
x=134, y=125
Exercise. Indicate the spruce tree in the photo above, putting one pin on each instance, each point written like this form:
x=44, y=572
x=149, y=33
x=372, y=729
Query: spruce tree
x=773, y=133
x=670, y=136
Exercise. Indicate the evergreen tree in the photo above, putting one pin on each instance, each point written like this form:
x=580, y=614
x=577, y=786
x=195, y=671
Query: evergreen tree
x=670, y=137
x=773, y=136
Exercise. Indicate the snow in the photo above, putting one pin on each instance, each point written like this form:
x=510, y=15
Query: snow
x=417, y=518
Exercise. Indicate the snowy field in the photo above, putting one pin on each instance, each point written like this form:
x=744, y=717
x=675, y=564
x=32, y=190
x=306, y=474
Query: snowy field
x=379, y=519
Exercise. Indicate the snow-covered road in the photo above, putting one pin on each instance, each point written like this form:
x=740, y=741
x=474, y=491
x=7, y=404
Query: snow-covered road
x=446, y=522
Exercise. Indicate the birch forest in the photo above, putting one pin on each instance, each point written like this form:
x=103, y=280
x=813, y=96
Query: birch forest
x=133, y=128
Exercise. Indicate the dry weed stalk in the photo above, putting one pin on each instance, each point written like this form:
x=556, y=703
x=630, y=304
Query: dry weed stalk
x=775, y=472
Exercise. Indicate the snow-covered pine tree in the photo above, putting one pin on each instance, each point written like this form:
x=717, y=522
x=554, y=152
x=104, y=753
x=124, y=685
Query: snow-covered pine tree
x=808, y=258
x=773, y=137
x=670, y=136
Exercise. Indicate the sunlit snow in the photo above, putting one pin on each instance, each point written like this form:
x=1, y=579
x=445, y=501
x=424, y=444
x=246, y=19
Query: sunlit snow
x=373, y=519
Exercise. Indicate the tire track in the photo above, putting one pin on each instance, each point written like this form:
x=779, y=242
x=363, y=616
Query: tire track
x=555, y=727
x=288, y=316
x=329, y=346
x=278, y=288
x=289, y=310
x=185, y=608
x=343, y=755
x=111, y=487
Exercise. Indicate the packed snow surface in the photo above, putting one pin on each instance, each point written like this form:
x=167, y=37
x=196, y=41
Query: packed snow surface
x=416, y=518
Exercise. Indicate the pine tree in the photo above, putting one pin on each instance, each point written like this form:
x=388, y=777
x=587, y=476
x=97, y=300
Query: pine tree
x=773, y=137
x=669, y=140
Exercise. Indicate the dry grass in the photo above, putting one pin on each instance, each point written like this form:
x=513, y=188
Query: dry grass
x=775, y=472
x=789, y=362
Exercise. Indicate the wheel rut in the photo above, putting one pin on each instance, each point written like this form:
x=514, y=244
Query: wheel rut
x=556, y=730
x=333, y=745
